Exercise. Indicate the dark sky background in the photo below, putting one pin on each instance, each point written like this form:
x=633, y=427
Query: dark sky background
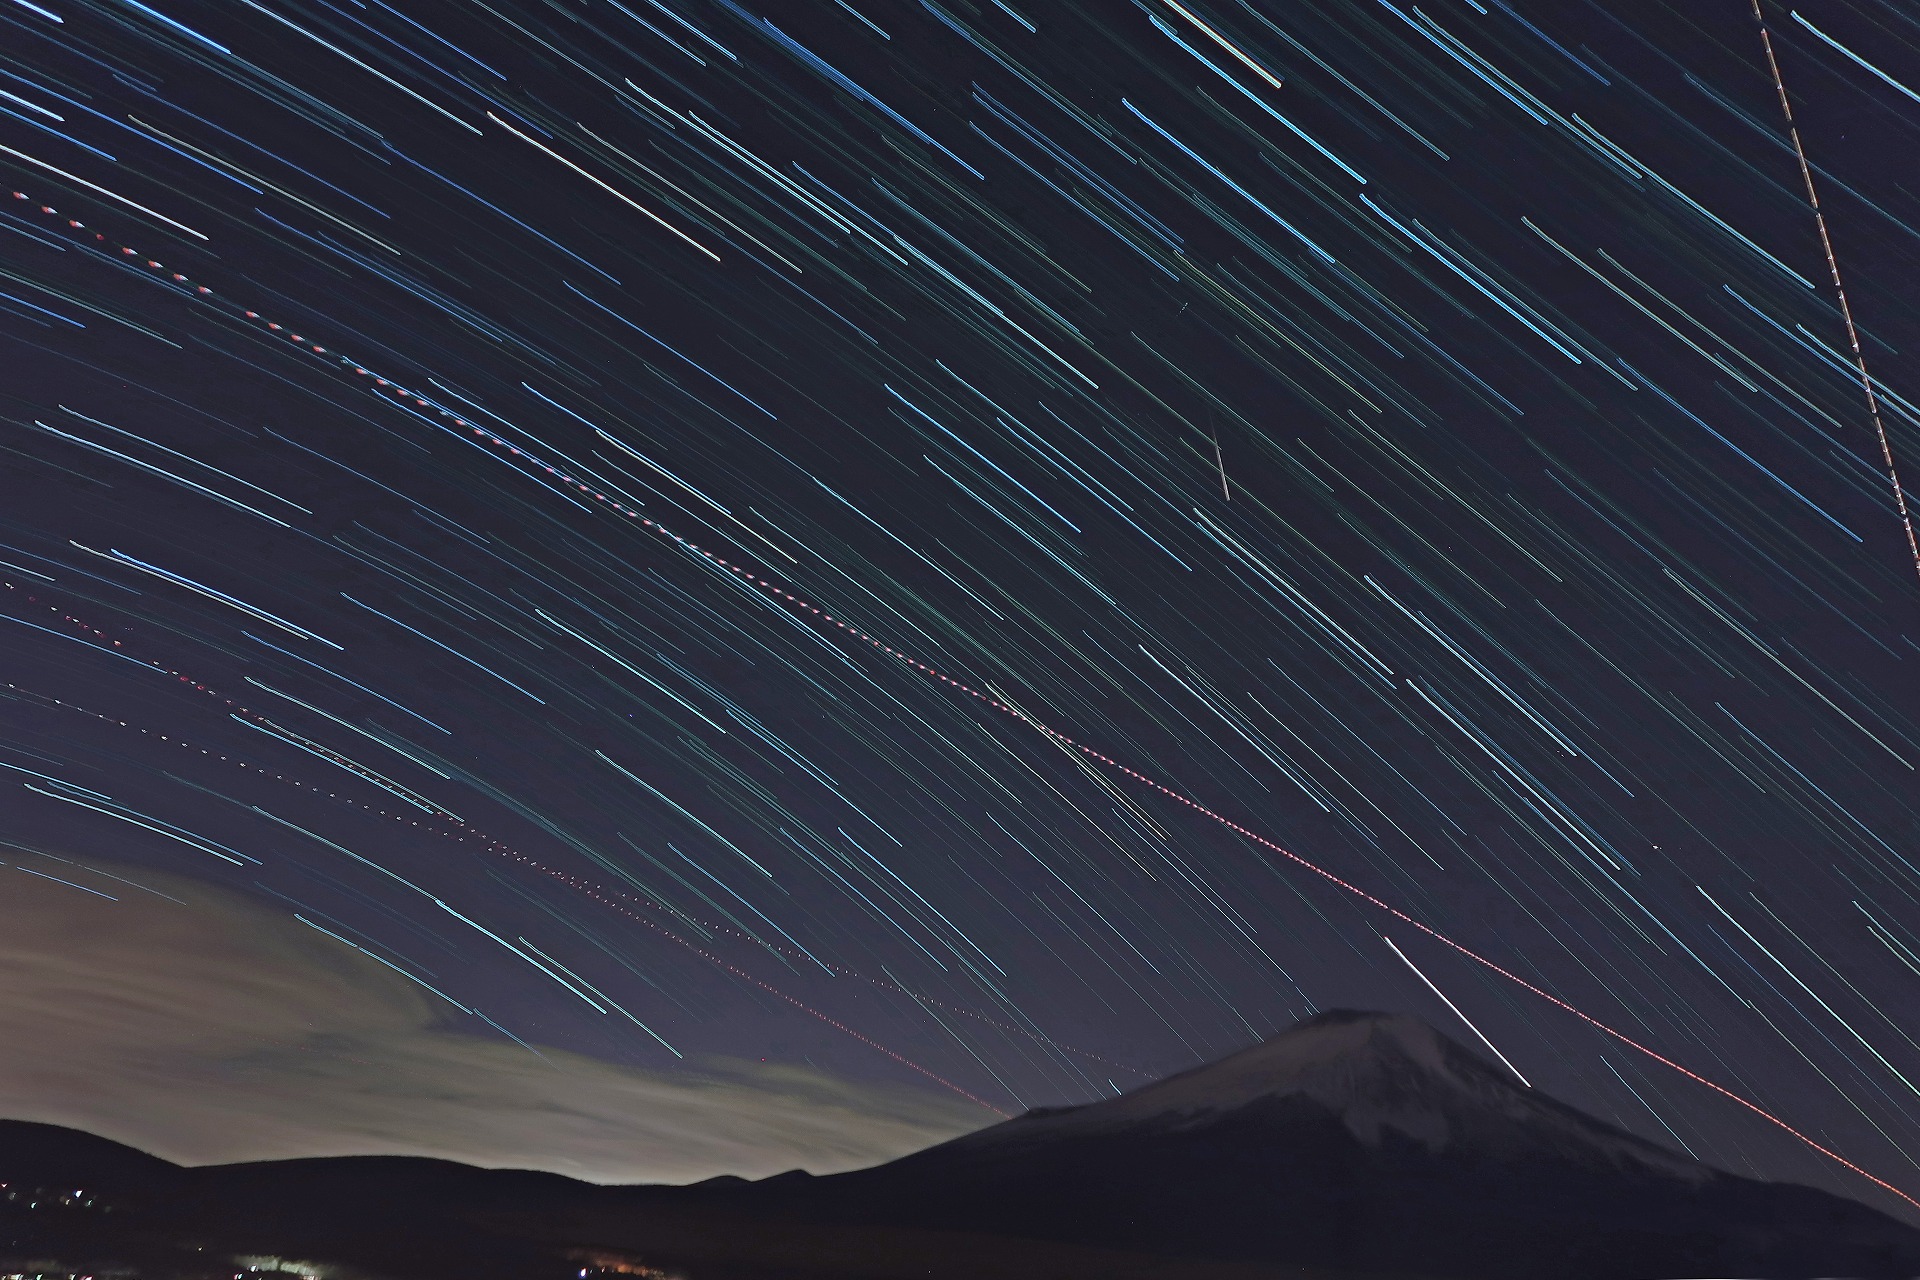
x=883, y=538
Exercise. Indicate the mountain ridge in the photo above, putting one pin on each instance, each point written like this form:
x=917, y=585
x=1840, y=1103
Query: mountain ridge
x=1376, y=1070
x=1363, y=1140
x=1352, y=1144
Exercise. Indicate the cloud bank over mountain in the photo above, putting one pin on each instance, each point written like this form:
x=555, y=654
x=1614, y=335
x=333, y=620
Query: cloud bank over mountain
x=204, y=1027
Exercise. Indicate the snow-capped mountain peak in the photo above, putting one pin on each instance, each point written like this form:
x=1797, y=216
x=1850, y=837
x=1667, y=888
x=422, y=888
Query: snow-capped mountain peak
x=1377, y=1073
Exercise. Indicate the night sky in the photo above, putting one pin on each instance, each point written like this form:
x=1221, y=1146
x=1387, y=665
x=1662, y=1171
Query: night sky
x=978, y=553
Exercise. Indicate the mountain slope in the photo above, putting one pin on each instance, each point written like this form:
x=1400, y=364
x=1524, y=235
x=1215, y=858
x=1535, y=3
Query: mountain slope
x=1378, y=1073
x=411, y=1218
x=1353, y=1144
x=1367, y=1141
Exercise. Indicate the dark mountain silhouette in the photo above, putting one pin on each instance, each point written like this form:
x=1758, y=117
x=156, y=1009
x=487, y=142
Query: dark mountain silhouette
x=1368, y=1141
x=1354, y=1143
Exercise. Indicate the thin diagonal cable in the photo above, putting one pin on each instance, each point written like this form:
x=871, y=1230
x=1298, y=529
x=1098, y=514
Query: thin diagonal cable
x=1840, y=292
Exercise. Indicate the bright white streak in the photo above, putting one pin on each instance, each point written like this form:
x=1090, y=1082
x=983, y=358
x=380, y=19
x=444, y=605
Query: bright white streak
x=1456, y=1009
x=71, y=177
x=613, y=191
x=1224, y=43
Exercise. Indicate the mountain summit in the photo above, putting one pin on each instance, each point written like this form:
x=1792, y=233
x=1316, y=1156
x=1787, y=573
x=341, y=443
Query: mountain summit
x=1365, y=1141
x=1353, y=1144
x=1380, y=1074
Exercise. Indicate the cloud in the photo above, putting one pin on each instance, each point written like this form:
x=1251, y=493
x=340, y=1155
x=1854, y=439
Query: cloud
x=206, y=1028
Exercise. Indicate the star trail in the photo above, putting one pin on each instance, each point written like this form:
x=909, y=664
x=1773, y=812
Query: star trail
x=1001, y=549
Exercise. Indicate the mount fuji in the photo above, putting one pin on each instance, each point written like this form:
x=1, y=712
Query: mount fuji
x=1353, y=1146
x=1364, y=1141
